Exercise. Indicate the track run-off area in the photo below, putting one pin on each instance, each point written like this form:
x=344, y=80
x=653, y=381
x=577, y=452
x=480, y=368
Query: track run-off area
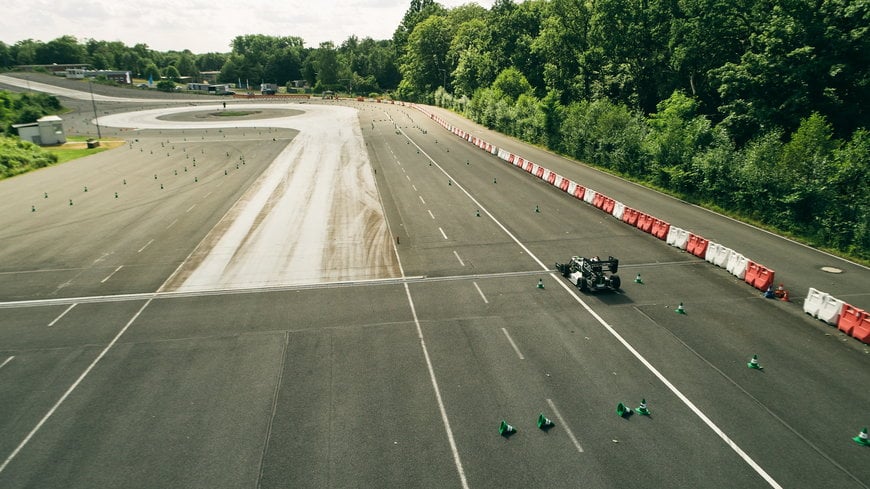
x=344, y=294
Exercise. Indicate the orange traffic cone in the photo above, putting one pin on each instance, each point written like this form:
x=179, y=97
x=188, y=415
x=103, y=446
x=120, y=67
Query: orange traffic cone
x=784, y=297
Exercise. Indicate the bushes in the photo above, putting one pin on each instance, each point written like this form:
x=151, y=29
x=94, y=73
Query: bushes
x=17, y=156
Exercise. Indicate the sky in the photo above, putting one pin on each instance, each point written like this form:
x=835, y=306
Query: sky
x=203, y=25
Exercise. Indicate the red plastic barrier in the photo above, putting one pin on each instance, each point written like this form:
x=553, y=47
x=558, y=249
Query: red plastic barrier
x=511, y=158
x=660, y=229
x=764, y=279
x=528, y=166
x=540, y=172
x=632, y=216
x=644, y=222
x=609, y=204
x=579, y=191
x=552, y=178
x=698, y=246
x=862, y=329
x=564, y=185
x=752, y=270
x=519, y=161
x=850, y=318
x=598, y=200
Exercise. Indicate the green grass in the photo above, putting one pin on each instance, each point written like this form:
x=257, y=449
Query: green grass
x=68, y=154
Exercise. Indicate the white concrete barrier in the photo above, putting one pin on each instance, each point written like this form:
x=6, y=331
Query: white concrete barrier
x=721, y=259
x=813, y=302
x=589, y=196
x=572, y=186
x=829, y=312
x=618, y=210
x=712, y=251
x=677, y=237
x=737, y=264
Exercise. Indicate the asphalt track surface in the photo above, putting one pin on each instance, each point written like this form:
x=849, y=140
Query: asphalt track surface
x=402, y=381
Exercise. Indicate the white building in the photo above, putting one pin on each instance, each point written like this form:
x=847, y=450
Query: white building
x=46, y=131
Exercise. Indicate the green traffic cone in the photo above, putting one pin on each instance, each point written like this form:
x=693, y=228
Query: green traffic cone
x=70, y=202
x=753, y=363
x=32, y=208
x=505, y=429
x=478, y=213
x=116, y=195
x=623, y=411
x=642, y=409
x=86, y=188
x=449, y=182
x=494, y=180
x=45, y=195
x=638, y=280
x=862, y=438
x=537, y=209
x=680, y=309
x=540, y=283
x=544, y=422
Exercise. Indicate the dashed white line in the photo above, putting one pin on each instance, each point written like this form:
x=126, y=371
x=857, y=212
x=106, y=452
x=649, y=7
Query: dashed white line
x=514, y=345
x=190, y=208
x=421, y=199
x=442, y=233
x=62, y=314
x=206, y=195
x=110, y=275
x=6, y=361
x=431, y=215
x=414, y=187
x=485, y=301
x=564, y=425
x=409, y=178
x=172, y=224
x=458, y=258
x=146, y=245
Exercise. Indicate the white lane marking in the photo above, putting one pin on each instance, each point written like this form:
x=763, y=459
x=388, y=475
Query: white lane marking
x=421, y=199
x=409, y=178
x=414, y=187
x=146, y=245
x=62, y=314
x=69, y=391
x=442, y=233
x=431, y=215
x=172, y=224
x=721, y=434
x=438, y=399
x=110, y=275
x=564, y=425
x=485, y=301
x=514, y=345
x=219, y=184
x=206, y=195
x=458, y=258
x=190, y=208
x=6, y=361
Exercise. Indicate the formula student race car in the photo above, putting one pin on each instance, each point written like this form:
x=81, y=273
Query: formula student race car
x=589, y=275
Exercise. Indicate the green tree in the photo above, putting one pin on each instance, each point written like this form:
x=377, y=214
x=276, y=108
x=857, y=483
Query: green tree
x=511, y=84
x=171, y=73
x=152, y=72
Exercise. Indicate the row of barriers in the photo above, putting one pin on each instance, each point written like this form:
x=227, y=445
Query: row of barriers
x=845, y=317
x=852, y=321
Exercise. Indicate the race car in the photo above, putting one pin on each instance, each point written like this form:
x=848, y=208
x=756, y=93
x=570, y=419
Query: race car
x=589, y=275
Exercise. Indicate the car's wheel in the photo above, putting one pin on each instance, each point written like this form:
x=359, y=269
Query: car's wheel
x=582, y=285
x=615, y=282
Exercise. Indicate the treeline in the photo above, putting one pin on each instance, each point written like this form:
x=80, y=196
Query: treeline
x=17, y=156
x=758, y=108
x=361, y=66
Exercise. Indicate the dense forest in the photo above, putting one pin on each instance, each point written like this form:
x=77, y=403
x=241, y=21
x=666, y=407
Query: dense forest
x=758, y=108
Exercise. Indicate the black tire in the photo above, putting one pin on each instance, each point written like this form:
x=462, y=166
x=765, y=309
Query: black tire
x=582, y=285
x=615, y=282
